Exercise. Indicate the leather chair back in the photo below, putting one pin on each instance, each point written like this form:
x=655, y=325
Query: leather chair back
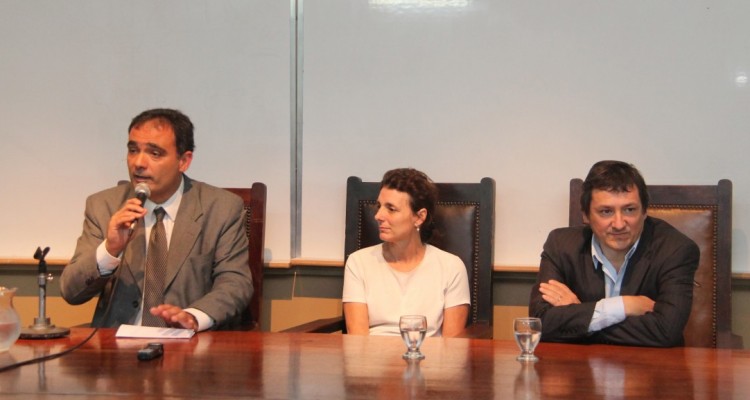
x=255, y=218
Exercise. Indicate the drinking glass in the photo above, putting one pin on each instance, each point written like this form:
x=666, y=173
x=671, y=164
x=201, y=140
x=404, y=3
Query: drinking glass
x=413, y=329
x=528, y=331
x=10, y=324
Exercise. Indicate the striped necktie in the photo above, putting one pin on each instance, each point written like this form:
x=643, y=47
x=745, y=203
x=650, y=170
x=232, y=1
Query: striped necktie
x=156, y=269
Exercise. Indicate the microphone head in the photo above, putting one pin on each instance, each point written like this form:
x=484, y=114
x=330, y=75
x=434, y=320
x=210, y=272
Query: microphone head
x=142, y=192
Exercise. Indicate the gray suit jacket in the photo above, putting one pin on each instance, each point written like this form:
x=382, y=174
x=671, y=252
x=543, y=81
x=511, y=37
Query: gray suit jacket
x=662, y=268
x=207, y=264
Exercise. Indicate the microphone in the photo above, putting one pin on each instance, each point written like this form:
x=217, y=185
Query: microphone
x=142, y=192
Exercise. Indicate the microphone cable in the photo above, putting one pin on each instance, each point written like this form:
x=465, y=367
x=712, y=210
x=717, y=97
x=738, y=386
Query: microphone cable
x=49, y=356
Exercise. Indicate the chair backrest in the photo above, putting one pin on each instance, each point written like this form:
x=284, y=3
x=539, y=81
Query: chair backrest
x=704, y=214
x=255, y=212
x=464, y=226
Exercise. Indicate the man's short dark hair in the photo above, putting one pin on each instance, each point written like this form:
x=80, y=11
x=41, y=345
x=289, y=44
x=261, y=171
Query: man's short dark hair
x=180, y=123
x=613, y=176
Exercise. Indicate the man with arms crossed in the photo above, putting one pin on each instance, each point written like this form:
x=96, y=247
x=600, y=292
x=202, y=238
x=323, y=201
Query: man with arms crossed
x=624, y=278
x=207, y=282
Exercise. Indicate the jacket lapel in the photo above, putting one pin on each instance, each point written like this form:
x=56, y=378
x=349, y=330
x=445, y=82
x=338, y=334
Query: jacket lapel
x=185, y=232
x=135, y=253
x=640, y=262
x=593, y=284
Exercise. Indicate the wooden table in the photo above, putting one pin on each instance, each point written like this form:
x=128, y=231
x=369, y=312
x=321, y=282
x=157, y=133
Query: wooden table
x=319, y=366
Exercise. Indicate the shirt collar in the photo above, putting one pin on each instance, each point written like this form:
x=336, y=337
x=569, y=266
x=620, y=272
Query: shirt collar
x=598, y=255
x=170, y=206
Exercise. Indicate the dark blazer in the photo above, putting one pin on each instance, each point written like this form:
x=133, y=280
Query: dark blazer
x=662, y=268
x=207, y=264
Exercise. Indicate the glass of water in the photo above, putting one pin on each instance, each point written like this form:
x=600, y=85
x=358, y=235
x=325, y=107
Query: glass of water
x=413, y=329
x=528, y=331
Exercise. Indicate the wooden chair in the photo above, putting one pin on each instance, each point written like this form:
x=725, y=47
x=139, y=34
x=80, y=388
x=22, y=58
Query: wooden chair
x=464, y=226
x=704, y=214
x=255, y=212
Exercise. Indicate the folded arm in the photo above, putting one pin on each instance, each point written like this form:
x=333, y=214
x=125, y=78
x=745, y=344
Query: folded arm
x=664, y=319
x=565, y=302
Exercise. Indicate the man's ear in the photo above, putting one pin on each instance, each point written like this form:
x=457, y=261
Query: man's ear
x=184, y=161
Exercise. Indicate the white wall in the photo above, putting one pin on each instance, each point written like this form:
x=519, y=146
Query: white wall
x=74, y=73
x=531, y=93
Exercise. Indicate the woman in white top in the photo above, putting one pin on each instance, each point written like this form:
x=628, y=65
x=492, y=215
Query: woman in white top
x=404, y=275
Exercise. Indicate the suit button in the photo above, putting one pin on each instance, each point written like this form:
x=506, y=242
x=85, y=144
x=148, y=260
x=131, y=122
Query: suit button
x=135, y=304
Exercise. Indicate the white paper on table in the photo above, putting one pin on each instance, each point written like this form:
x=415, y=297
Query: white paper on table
x=150, y=332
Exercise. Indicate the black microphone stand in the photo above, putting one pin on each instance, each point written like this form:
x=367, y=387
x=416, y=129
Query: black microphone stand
x=42, y=329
